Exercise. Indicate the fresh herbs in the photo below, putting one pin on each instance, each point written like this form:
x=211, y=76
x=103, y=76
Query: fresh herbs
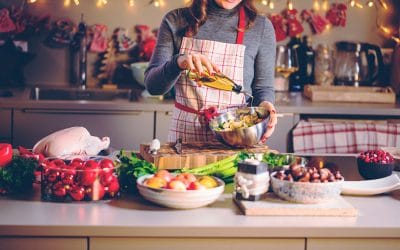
x=132, y=167
x=276, y=161
x=19, y=175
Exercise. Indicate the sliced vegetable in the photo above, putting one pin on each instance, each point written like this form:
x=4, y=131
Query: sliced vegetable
x=6, y=154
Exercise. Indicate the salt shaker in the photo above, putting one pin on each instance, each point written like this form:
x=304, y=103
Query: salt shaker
x=323, y=69
x=251, y=180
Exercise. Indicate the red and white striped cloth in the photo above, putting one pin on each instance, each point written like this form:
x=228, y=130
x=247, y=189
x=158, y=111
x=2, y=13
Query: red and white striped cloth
x=346, y=137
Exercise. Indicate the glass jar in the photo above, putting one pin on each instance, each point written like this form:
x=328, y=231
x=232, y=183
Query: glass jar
x=324, y=66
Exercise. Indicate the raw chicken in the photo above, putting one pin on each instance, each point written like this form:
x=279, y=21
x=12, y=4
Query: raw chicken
x=71, y=141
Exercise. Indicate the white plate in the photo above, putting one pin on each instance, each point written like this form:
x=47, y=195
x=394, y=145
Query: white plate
x=371, y=187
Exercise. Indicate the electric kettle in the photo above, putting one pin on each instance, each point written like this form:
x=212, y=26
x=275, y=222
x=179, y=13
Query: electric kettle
x=357, y=64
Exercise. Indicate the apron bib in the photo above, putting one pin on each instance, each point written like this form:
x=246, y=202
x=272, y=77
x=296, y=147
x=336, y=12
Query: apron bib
x=192, y=101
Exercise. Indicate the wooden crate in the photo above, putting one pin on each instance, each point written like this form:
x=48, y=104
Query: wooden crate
x=350, y=94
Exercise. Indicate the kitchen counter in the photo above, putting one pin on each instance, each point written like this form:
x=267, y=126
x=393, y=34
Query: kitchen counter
x=131, y=216
x=286, y=102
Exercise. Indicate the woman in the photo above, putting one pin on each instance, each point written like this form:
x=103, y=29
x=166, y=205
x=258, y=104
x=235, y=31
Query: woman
x=224, y=36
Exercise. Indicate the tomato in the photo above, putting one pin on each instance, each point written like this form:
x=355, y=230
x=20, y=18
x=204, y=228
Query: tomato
x=6, y=154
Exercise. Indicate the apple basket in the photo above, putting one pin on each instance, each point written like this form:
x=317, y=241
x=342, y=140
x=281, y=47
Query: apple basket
x=78, y=178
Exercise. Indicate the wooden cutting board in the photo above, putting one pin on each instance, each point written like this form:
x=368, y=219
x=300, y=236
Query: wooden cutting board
x=272, y=205
x=350, y=94
x=193, y=154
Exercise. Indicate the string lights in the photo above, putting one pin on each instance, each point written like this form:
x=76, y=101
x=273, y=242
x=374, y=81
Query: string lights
x=317, y=5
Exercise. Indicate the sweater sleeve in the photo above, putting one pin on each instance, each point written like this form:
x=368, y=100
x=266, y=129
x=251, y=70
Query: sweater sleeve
x=264, y=66
x=163, y=70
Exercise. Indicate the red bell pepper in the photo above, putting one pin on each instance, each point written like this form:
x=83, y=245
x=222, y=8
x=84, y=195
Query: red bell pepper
x=6, y=154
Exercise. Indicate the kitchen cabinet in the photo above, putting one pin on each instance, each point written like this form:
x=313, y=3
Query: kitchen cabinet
x=353, y=244
x=195, y=243
x=43, y=243
x=163, y=120
x=127, y=129
x=281, y=139
x=5, y=125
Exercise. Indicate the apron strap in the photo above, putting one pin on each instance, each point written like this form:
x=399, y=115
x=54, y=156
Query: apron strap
x=241, y=26
x=208, y=113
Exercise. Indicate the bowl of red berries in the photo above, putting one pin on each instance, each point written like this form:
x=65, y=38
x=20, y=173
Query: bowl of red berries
x=78, y=178
x=375, y=164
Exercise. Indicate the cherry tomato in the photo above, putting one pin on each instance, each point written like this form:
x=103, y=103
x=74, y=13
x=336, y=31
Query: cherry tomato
x=77, y=193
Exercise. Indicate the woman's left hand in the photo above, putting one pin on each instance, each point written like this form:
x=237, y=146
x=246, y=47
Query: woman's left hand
x=273, y=120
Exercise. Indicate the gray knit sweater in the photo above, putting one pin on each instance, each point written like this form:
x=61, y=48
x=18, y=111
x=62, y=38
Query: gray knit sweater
x=259, y=60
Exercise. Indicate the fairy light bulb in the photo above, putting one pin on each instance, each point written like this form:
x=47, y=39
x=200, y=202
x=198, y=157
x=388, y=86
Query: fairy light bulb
x=101, y=3
x=290, y=5
x=385, y=30
x=264, y=2
x=156, y=3
x=352, y=3
x=316, y=5
x=370, y=3
x=131, y=3
x=67, y=3
x=32, y=1
x=383, y=4
x=271, y=5
x=76, y=2
x=325, y=5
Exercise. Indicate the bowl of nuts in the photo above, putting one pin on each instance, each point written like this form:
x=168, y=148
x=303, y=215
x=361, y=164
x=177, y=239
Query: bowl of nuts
x=301, y=184
x=375, y=164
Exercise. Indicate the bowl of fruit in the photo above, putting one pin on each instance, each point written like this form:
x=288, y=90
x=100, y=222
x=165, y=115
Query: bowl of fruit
x=180, y=191
x=375, y=164
x=78, y=178
x=303, y=184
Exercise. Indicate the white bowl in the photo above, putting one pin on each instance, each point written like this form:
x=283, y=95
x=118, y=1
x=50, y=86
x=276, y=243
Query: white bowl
x=306, y=192
x=138, y=70
x=179, y=199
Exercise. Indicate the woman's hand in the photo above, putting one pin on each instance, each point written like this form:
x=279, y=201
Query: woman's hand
x=273, y=120
x=196, y=62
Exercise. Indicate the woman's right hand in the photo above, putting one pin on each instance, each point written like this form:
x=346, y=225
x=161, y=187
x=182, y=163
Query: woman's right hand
x=197, y=63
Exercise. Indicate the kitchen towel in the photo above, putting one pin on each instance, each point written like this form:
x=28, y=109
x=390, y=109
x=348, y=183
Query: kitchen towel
x=344, y=137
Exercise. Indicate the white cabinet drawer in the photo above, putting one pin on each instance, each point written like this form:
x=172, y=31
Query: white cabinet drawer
x=195, y=244
x=353, y=244
x=39, y=243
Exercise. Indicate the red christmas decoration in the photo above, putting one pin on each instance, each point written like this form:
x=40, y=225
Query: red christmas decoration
x=317, y=22
x=336, y=15
x=99, y=41
x=278, y=22
x=294, y=26
x=6, y=24
x=146, y=40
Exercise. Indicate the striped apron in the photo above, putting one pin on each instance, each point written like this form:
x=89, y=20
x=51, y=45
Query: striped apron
x=195, y=105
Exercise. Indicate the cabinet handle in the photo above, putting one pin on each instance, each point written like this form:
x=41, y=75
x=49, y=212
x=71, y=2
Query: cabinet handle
x=85, y=112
